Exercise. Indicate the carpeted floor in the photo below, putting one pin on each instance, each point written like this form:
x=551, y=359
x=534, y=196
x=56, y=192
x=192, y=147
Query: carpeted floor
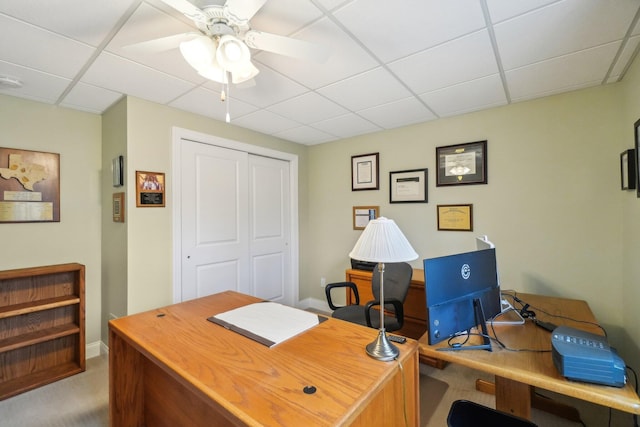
x=82, y=401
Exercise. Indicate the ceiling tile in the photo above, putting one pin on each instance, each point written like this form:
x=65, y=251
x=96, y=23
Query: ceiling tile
x=207, y=103
x=501, y=10
x=467, y=58
x=395, y=30
x=346, y=58
x=561, y=74
x=86, y=21
x=33, y=47
x=270, y=87
x=37, y=86
x=370, y=88
x=266, y=122
x=560, y=28
x=469, y=96
x=121, y=75
x=305, y=135
x=90, y=98
x=307, y=108
x=398, y=113
x=346, y=126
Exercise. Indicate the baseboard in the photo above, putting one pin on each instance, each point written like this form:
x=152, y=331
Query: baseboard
x=93, y=349
x=314, y=303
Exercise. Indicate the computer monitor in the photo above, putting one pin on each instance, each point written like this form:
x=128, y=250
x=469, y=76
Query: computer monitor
x=462, y=291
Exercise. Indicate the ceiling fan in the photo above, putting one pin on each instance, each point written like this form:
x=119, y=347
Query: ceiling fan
x=220, y=51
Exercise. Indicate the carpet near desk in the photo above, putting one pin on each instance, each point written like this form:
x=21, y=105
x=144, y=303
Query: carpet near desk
x=431, y=393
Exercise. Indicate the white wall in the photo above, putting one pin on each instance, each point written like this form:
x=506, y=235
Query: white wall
x=76, y=238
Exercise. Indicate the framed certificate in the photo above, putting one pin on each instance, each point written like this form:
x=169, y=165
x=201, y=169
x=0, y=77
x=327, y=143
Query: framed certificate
x=455, y=217
x=462, y=164
x=408, y=186
x=365, y=172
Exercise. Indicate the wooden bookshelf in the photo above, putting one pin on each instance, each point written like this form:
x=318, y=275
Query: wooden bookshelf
x=42, y=319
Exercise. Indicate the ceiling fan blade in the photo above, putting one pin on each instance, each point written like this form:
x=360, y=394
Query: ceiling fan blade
x=187, y=8
x=286, y=46
x=160, y=45
x=243, y=10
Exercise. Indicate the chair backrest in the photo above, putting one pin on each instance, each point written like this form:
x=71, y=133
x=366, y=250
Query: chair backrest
x=397, y=277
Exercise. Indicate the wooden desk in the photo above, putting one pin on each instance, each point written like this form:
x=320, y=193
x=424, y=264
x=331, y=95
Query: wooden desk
x=171, y=367
x=517, y=373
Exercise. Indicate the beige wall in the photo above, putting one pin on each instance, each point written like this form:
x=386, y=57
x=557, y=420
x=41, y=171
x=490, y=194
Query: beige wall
x=76, y=238
x=553, y=204
x=149, y=236
x=631, y=216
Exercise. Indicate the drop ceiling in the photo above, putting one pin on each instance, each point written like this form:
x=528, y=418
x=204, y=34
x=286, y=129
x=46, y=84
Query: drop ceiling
x=392, y=63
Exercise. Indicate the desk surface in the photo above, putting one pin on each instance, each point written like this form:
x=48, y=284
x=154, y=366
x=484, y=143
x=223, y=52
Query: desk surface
x=535, y=368
x=264, y=386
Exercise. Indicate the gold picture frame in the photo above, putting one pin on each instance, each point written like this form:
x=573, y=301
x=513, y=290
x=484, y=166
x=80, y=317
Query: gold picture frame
x=363, y=214
x=455, y=217
x=150, y=188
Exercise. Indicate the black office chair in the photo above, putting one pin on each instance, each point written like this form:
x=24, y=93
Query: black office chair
x=397, y=277
x=464, y=413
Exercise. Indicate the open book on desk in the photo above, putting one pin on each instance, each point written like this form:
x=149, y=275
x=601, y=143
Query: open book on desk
x=268, y=323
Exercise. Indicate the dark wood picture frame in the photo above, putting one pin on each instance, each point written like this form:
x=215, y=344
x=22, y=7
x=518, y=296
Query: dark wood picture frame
x=29, y=186
x=409, y=186
x=461, y=164
x=365, y=172
x=628, y=169
x=455, y=217
x=150, y=188
x=636, y=133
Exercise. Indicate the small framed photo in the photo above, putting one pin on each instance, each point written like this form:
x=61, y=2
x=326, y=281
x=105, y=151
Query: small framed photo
x=455, y=217
x=408, y=186
x=149, y=189
x=628, y=169
x=118, y=207
x=365, y=172
x=363, y=214
x=462, y=164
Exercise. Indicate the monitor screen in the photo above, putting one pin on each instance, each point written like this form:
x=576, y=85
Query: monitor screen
x=452, y=284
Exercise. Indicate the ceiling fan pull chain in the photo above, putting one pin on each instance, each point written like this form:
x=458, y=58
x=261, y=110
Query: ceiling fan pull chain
x=228, y=117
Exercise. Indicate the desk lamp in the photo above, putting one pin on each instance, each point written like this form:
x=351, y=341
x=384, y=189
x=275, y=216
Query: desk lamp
x=382, y=241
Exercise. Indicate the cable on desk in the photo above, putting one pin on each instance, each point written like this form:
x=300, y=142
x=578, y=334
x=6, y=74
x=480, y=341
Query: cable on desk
x=529, y=313
x=404, y=392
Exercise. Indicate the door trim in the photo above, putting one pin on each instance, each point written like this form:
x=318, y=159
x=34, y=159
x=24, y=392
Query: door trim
x=178, y=134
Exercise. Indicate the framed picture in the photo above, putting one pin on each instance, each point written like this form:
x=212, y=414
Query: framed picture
x=149, y=189
x=365, y=172
x=408, y=186
x=628, y=169
x=117, y=169
x=29, y=186
x=118, y=207
x=455, y=217
x=636, y=156
x=462, y=164
x=363, y=214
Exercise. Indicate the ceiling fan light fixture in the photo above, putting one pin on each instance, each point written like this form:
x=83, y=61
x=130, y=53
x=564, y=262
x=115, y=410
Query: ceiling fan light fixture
x=232, y=54
x=246, y=73
x=200, y=52
x=215, y=73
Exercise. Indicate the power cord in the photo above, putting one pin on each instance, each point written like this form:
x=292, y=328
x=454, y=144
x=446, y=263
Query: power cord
x=404, y=393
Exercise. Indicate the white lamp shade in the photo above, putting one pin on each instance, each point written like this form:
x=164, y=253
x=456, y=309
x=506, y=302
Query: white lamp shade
x=199, y=52
x=382, y=241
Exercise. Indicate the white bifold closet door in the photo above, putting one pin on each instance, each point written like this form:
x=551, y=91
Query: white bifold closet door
x=234, y=223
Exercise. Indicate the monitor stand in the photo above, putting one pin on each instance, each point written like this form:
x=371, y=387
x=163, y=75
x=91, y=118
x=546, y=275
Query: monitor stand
x=480, y=320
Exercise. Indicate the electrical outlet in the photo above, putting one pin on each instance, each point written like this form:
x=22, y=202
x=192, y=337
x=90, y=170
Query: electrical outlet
x=323, y=282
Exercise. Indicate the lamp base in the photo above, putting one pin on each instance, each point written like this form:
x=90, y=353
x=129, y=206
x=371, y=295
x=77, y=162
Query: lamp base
x=381, y=349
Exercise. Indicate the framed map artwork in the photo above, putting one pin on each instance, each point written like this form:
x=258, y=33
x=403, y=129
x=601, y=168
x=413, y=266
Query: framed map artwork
x=29, y=186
